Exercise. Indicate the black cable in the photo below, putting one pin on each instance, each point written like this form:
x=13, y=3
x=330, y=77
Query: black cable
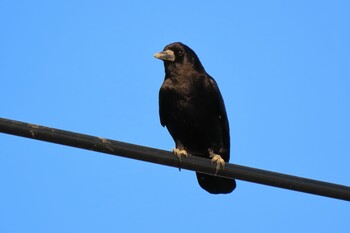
x=153, y=155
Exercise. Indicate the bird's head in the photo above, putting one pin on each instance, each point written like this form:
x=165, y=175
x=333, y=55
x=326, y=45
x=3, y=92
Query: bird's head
x=177, y=55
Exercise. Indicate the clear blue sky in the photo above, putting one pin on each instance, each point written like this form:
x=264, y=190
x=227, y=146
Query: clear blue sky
x=283, y=68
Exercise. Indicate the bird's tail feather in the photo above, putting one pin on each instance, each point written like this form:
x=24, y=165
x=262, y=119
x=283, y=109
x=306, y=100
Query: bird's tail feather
x=215, y=184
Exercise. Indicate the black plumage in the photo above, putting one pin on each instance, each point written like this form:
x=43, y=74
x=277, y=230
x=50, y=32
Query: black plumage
x=192, y=109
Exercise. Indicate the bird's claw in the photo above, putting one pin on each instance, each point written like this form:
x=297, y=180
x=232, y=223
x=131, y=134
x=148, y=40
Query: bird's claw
x=180, y=153
x=215, y=158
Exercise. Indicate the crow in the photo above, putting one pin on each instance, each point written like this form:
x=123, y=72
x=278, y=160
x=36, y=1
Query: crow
x=192, y=109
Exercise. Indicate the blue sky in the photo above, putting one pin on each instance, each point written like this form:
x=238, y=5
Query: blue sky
x=88, y=66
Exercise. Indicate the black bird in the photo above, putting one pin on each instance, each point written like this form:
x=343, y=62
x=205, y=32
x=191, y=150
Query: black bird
x=192, y=109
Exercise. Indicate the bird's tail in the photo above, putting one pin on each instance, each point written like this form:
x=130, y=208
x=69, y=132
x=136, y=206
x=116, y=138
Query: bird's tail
x=215, y=184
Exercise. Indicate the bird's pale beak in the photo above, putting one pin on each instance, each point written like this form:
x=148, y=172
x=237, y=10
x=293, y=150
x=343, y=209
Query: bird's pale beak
x=167, y=55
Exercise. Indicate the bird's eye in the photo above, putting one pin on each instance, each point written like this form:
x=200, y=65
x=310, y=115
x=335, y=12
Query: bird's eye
x=180, y=53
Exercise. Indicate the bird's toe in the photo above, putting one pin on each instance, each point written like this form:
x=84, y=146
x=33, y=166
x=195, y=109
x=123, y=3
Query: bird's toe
x=180, y=153
x=216, y=158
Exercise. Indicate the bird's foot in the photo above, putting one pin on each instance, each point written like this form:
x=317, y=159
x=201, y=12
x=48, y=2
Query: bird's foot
x=180, y=153
x=215, y=158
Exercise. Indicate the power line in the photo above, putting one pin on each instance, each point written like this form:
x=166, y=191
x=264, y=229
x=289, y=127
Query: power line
x=163, y=157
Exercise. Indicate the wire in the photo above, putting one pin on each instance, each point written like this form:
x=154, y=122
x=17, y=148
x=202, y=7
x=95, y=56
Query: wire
x=163, y=157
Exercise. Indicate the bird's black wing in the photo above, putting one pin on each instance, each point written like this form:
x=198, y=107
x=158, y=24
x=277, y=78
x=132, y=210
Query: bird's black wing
x=224, y=125
x=215, y=184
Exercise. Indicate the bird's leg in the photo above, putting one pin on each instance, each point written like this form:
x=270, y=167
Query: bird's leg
x=179, y=152
x=216, y=158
